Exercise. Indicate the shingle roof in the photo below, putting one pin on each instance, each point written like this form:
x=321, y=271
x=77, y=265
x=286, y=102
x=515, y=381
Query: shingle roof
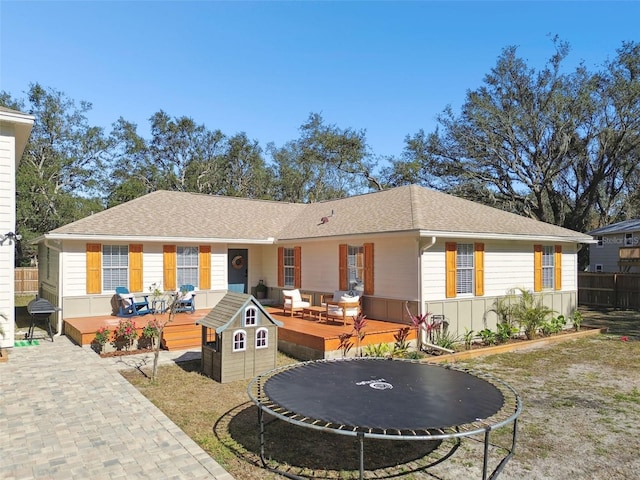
x=625, y=226
x=166, y=214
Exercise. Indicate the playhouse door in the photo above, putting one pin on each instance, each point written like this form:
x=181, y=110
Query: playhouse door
x=237, y=268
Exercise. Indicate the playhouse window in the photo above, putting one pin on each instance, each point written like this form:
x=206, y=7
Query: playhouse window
x=115, y=266
x=262, y=338
x=250, y=316
x=239, y=341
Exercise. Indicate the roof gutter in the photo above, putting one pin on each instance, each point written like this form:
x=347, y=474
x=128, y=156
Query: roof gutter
x=150, y=239
x=502, y=236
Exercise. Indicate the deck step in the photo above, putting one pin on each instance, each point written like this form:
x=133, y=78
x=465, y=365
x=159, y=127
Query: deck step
x=182, y=337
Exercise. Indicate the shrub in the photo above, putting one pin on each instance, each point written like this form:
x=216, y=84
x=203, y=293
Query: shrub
x=126, y=331
x=530, y=313
x=488, y=336
x=102, y=335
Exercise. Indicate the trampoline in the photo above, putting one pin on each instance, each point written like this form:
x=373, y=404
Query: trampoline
x=388, y=399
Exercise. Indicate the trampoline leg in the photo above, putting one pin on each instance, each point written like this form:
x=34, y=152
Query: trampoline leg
x=261, y=421
x=486, y=454
x=361, y=437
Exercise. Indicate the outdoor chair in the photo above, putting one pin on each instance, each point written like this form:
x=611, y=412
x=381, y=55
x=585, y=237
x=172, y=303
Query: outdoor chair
x=186, y=299
x=294, y=301
x=129, y=306
x=341, y=305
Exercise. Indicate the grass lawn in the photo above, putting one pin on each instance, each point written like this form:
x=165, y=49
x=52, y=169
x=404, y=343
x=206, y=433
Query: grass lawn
x=580, y=420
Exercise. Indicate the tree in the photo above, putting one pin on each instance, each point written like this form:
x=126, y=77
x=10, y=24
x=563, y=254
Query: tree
x=58, y=177
x=560, y=148
x=325, y=163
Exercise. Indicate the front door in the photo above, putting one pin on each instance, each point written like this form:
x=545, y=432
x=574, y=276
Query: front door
x=237, y=270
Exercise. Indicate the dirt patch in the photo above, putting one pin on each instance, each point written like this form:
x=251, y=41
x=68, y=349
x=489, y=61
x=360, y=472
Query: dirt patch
x=581, y=408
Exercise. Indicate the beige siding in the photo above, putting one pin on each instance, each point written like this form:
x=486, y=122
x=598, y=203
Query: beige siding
x=7, y=224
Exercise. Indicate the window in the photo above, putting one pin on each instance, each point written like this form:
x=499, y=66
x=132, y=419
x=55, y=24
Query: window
x=464, y=268
x=598, y=267
x=600, y=241
x=239, y=341
x=288, y=263
x=355, y=268
x=187, y=266
x=262, y=338
x=628, y=239
x=250, y=316
x=115, y=266
x=548, y=266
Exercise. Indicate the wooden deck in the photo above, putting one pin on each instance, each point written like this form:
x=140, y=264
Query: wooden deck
x=304, y=338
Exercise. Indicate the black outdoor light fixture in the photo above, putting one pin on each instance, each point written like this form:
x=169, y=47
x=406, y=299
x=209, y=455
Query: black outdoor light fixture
x=11, y=236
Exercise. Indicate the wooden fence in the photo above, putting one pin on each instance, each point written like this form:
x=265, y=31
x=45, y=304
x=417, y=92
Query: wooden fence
x=26, y=280
x=616, y=290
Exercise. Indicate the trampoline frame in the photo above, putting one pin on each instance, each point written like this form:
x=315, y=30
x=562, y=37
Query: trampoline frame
x=508, y=414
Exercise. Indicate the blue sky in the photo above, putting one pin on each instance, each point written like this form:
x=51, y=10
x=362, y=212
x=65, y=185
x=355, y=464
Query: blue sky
x=262, y=67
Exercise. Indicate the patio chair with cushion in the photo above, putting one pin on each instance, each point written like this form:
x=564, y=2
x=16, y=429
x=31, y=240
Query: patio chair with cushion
x=129, y=306
x=294, y=301
x=341, y=305
x=186, y=299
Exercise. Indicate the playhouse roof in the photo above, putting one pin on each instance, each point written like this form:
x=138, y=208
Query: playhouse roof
x=229, y=308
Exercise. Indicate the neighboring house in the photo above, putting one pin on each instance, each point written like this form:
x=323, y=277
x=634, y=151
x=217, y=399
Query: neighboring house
x=15, y=128
x=239, y=339
x=617, y=248
x=440, y=253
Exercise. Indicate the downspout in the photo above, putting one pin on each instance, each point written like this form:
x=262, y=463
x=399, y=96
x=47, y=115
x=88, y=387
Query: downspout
x=423, y=248
x=59, y=250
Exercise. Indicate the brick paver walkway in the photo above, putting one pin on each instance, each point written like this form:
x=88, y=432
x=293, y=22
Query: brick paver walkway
x=65, y=413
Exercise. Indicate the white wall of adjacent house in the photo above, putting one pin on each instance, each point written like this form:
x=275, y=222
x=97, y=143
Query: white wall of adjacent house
x=604, y=256
x=7, y=224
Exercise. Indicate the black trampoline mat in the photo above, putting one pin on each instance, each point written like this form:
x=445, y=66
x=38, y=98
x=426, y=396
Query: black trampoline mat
x=384, y=394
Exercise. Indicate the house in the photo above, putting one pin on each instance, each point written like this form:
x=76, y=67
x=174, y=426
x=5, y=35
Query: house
x=408, y=245
x=617, y=248
x=15, y=128
x=239, y=339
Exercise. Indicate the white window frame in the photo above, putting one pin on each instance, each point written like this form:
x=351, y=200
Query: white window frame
x=239, y=340
x=628, y=239
x=600, y=243
x=250, y=316
x=262, y=338
x=187, y=265
x=355, y=268
x=599, y=268
x=289, y=266
x=548, y=266
x=465, y=268
x=115, y=267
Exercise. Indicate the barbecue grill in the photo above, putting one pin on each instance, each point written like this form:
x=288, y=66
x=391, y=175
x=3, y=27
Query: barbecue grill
x=40, y=309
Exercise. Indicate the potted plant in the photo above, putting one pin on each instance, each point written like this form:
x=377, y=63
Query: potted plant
x=261, y=290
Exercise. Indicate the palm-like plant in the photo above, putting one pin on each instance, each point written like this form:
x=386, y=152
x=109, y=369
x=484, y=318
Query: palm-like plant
x=531, y=313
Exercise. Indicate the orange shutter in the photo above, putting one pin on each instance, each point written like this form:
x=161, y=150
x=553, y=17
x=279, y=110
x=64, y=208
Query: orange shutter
x=135, y=268
x=537, y=268
x=478, y=264
x=204, y=263
x=450, y=249
x=297, y=267
x=169, y=261
x=342, y=266
x=558, y=267
x=368, y=269
x=94, y=268
x=281, y=266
